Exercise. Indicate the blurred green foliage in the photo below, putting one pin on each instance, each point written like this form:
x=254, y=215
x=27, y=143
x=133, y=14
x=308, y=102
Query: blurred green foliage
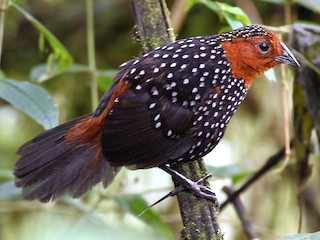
x=31, y=99
x=45, y=42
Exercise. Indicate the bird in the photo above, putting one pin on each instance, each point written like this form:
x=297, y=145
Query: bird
x=169, y=105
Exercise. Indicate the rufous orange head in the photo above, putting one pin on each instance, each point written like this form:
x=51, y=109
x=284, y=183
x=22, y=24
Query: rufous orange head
x=252, y=50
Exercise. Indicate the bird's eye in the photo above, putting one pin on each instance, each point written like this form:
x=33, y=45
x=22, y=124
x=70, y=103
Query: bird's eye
x=264, y=46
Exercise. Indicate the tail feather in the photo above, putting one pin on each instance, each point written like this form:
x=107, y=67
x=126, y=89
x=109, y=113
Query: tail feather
x=51, y=135
x=31, y=163
x=52, y=165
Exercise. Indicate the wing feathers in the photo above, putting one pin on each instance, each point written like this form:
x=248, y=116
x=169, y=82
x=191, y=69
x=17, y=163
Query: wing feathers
x=130, y=136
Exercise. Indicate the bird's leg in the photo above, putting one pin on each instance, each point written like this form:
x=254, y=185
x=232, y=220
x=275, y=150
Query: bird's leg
x=199, y=190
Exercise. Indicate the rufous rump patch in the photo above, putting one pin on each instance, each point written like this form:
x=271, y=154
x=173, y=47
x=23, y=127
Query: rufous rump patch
x=91, y=128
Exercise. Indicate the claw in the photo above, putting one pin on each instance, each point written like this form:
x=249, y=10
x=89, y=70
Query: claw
x=199, y=190
x=172, y=193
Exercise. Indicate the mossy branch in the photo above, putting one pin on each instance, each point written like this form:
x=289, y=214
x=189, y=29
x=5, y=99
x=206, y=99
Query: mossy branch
x=199, y=216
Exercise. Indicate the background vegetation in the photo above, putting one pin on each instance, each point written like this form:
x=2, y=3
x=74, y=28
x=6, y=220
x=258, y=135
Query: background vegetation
x=50, y=44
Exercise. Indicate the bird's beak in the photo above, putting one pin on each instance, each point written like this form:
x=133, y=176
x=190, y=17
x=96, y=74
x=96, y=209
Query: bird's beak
x=287, y=56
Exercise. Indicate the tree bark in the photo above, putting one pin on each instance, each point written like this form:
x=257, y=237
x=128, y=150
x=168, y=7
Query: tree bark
x=152, y=23
x=199, y=215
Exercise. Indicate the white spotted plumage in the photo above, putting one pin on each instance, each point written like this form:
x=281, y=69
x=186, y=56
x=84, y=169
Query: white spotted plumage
x=193, y=74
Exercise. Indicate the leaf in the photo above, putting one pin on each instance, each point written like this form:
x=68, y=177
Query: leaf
x=191, y=3
x=136, y=205
x=232, y=21
x=2, y=75
x=60, y=59
x=280, y=2
x=302, y=236
x=234, y=16
x=8, y=190
x=40, y=74
x=41, y=42
x=32, y=100
x=312, y=5
x=233, y=171
x=105, y=78
x=235, y=13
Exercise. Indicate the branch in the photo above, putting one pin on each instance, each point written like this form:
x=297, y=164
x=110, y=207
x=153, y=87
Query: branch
x=152, y=22
x=270, y=163
x=246, y=224
x=199, y=216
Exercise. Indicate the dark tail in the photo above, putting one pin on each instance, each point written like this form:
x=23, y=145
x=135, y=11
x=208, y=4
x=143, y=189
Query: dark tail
x=65, y=159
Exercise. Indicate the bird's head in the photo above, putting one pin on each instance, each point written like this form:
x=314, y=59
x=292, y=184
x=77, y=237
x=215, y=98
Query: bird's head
x=252, y=50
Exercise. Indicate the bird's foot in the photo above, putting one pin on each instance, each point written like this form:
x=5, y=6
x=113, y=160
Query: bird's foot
x=199, y=190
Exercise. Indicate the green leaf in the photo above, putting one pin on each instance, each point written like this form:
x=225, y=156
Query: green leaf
x=41, y=42
x=40, y=74
x=2, y=75
x=136, y=205
x=312, y=5
x=105, y=78
x=32, y=100
x=279, y=2
x=234, y=16
x=60, y=59
x=191, y=3
x=303, y=236
x=233, y=171
x=211, y=5
x=233, y=22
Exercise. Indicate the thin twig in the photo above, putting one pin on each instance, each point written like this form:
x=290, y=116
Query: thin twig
x=178, y=14
x=271, y=162
x=285, y=93
x=300, y=218
x=2, y=18
x=286, y=121
x=167, y=23
x=91, y=53
x=246, y=224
